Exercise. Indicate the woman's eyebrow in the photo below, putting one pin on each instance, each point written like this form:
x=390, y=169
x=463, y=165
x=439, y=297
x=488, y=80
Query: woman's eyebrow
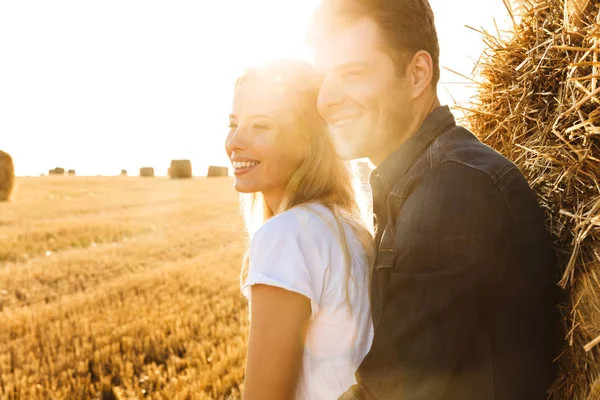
x=254, y=116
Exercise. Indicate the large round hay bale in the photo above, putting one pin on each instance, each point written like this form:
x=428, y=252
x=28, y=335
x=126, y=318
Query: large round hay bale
x=180, y=169
x=123, y=172
x=147, y=172
x=7, y=176
x=71, y=172
x=56, y=171
x=215, y=171
x=538, y=103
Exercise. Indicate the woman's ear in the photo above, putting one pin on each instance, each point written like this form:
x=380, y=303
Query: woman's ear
x=421, y=73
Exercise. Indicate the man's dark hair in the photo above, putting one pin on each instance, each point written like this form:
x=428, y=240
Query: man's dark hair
x=406, y=26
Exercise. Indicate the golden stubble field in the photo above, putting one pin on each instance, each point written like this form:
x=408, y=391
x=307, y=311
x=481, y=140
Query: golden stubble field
x=121, y=288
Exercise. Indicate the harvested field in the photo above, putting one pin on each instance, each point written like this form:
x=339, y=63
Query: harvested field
x=124, y=286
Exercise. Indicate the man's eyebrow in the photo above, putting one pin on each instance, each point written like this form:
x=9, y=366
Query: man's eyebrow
x=352, y=65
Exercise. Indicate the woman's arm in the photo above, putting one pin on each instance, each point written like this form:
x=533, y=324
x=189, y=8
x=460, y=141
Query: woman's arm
x=278, y=322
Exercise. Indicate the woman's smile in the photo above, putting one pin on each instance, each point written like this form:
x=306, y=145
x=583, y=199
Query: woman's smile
x=242, y=167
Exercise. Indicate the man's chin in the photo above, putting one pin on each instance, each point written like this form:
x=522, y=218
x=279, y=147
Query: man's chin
x=350, y=155
x=349, y=150
x=351, y=143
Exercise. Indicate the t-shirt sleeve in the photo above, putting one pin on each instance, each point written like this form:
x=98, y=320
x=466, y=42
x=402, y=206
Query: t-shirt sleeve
x=285, y=253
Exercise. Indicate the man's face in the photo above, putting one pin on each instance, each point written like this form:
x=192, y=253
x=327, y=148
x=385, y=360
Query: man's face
x=364, y=98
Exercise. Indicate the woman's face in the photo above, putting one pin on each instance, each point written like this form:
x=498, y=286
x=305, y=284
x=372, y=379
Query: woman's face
x=263, y=143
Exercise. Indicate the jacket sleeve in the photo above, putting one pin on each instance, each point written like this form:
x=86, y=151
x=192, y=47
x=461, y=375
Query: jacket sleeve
x=448, y=245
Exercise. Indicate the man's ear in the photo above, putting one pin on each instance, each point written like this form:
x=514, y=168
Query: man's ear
x=421, y=73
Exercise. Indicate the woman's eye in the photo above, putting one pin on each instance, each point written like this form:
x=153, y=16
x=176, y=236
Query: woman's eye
x=260, y=127
x=232, y=126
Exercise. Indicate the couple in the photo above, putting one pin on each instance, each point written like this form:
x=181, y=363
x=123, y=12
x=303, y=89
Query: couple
x=453, y=297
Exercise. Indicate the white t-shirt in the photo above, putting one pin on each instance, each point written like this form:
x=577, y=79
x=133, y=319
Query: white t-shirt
x=300, y=250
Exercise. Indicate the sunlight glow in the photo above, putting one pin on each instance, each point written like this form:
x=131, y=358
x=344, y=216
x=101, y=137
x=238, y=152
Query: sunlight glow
x=100, y=87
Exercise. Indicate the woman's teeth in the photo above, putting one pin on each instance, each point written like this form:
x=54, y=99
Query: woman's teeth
x=244, y=164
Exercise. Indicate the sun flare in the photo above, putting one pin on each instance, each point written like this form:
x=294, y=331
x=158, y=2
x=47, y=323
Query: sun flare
x=101, y=87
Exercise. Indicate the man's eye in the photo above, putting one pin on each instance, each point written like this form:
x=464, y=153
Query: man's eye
x=232, y=126
x=260, y=127
x=352, y=75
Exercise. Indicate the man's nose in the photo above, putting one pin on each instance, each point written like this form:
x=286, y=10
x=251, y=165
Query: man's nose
x=331, y=95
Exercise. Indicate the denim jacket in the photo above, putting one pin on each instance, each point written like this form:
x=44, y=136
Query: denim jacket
x=463, y=290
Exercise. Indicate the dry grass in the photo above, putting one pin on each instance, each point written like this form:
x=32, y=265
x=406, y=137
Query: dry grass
x=121, y=288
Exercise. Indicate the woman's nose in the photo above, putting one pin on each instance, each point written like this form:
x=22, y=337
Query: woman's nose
x=236, y=140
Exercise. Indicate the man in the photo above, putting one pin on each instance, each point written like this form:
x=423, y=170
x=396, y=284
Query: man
x=463, y=289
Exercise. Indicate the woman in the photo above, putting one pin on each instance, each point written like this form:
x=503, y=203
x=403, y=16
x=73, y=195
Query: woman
x=307, y=265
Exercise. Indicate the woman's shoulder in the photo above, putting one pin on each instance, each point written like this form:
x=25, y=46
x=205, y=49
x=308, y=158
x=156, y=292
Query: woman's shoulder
x=310, y=218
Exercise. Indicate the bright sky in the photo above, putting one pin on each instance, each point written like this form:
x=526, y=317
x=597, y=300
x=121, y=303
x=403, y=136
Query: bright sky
x=104, y=86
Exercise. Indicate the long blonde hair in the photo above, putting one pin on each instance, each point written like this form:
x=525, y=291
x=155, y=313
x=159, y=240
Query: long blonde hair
x=322, y=176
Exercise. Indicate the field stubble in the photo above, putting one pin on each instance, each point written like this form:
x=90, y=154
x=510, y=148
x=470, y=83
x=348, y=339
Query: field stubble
x=121, y=288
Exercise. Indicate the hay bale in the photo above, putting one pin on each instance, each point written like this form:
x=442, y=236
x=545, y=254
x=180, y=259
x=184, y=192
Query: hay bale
x=7, y=176
x=180, y=169
x=56, y=171
x=123, y=172
x=71, y=172
x=538, y=103
x=214, y=171
x=575, y=10
x=147, y=172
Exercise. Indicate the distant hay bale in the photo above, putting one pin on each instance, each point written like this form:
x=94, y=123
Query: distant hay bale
x=56, y=171
x=147, y=172
x=71, y=172
x=214, y=171
x=538, y=103
x=123, y=172
x=7, y=176
x=180, y=169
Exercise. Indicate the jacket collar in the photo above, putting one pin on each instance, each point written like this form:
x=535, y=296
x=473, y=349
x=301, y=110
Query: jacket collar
x=397, y=164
